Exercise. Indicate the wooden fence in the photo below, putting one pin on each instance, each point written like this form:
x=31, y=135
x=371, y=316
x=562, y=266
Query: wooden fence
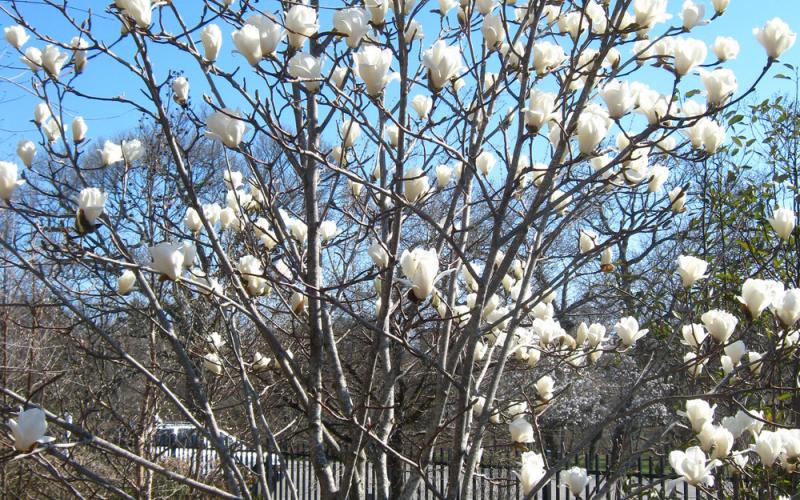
x=493, y=481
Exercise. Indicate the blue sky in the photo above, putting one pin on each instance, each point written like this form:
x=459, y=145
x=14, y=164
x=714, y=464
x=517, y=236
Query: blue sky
x=103, y=77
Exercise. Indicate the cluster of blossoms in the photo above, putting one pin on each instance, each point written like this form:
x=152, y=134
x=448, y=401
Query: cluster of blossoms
x=719, y=441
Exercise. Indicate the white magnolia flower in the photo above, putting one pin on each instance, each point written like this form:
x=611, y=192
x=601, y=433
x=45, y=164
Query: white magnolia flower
x=722, y=442
x=232, y=179
x=783, y=221
x=189, y=251
x=694, y=367
x=775, y=37
x=250, y=268
x=413, y=31
x=9, y=179
x=212, y=212
x=593, y=127
x=726, y=48
x=484, y=7
x=301, y=22
x=132, y=150
x=572, y=23
x=372, y=65
x=420, y=267
x=422, y=104
x=521, y=431
x=649, y=12
x=349, y=131
x=544, y=388
x=652, y=105
x=298, y=302
x=532, y=470
x=547, y=56
x=493, y=30
x=15, y=36
x=606, y=260
x=560, y=200
x=125, y=282
x=393, y=134
x=743, y=422
x=53, y=60
x=377, y=10
x=720, y=5
x=619, y=98
x=658, y=176
x=227, y=126
x=691, y=269
x=720, y=85
x=211, y=38
x=91, y=203
x=699, y=412
x=787, y=306
x=443, y=63
x=587, y=241
x=576, y=480
x=167, y=259
x=26, y=150
x=337, y=77
x=415, y=184
x=327, y=230
x=32, y=58
x=758, y=294
x=446, y=5
x=308, y=68
x=693, y=335
x=736, y=351
x=111, y=153
x=180, y=90
x=689, y=53
x=215, y=340
x=627, y=329
x=248, y=43
x=79, y=57
x=260, y=362
x=352, y=23
x=28, y=429
x=485, y=162
x=692, y=14
x=140, y=10
x=379, y=255
x=541, y=107
x=693, y=466
x=443, y=175
x=213, y=363
x=768, y=446
x=298, y=229
x=229, y=219
x=41, y=112
x=754, y=362
x=677, y=198
x=720, y=324
x=79, y=129
x=52, y=129
x=192, y=220
x=270, y=33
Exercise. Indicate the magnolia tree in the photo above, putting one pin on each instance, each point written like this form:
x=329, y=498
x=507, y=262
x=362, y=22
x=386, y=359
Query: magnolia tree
x=397, y=192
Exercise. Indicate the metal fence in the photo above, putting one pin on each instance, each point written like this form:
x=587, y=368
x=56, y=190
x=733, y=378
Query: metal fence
x=647, y=478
